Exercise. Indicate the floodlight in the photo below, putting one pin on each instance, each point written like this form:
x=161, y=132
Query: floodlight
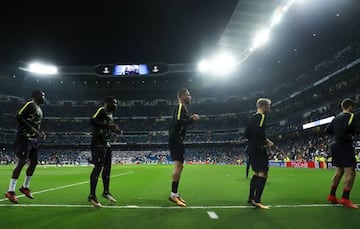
x=261, y=38
x=40, y=68
x=223, y=63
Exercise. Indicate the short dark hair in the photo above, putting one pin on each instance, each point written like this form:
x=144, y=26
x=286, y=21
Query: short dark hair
x=109, y=99
x=36, y=94
x=181, y=92
x=347, y=102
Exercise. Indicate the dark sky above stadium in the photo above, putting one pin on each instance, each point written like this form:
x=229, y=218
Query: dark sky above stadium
x=93, y=32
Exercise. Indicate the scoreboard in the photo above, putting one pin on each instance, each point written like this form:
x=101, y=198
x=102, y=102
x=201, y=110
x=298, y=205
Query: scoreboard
x=123, y=70
x=130, y=70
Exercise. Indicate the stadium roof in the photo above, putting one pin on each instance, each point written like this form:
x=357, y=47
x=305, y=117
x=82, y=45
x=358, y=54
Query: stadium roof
x=181, y=32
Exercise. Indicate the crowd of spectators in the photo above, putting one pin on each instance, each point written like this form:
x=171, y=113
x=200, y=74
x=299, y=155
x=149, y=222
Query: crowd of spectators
x=221, y=123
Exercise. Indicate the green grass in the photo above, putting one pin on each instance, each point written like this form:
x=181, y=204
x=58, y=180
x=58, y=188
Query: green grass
x=201, y=185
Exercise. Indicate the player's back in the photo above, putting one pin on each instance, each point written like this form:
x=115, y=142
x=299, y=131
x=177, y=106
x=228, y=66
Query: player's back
x=342, y=128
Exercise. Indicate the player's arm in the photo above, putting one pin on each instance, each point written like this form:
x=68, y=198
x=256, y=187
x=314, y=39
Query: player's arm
x=97, y=119
x=269, y=143
x=184, y=117
x=355, y=124
x=115, y=128
x=330, y=128
x=248, y=129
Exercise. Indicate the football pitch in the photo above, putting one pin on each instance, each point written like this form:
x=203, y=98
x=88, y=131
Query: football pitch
x=216, y=196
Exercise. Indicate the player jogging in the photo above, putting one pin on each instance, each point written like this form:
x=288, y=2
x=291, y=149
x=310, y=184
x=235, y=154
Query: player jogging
x=29, y=118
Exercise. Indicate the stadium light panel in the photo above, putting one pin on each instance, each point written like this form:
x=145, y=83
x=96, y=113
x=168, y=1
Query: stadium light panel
x=41, y=69
x=203, y=66
x=300, y=1
x=222, y=64
x=261, y=38
x=276, y=18
x=318, y=122
x=287, y=6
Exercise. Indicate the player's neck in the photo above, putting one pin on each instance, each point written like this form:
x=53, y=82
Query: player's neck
x=35, y=101
x=260, y=111
x=182, y=103
x=107, y=110
x=347, y=111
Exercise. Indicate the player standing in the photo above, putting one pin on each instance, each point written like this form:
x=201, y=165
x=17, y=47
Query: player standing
x=343, y=126
x=258, y=158
x=180, y=121
x=103, y=125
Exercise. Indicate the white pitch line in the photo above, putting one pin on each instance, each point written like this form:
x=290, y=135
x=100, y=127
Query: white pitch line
x=67, y=186
x=212, y=215
x=169, y=207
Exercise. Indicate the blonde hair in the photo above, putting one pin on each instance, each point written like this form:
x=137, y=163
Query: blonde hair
x=261, y=102
x=181, y=92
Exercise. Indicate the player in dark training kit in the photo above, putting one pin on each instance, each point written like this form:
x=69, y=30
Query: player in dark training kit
x=258, y=158
x=29, y=118
x=180, y=120
x=103, y=126
x=343, y=126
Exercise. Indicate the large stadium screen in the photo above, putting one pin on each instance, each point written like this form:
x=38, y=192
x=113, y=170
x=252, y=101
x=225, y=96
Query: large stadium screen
x=130, y=70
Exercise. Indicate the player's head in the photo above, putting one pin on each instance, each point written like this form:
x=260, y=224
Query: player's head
x=38, y=96
x=184, y=96
x=348, y=105
x=263, y=104
x=110, y=103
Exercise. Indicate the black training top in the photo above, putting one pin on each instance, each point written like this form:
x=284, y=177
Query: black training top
x=343, y=126
x=101, y=134
x=180, y=120
x=255, y=131
x=29, y=116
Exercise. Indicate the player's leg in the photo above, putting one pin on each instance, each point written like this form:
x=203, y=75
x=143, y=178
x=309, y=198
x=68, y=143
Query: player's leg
x=339, y=172
x=178, y=167
x=174, y=196
x=259, y=181
x=97, y=160
x=10, y=194
x=347, y=161
x=106, y=176
x=247, y=167
x=22, y=151
x=262, y=177
x=261, y=168
x=349, y=177
x=33, y=161
x=16, y=172
x=348, y=184
x=177, y=154
x=254, y=178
